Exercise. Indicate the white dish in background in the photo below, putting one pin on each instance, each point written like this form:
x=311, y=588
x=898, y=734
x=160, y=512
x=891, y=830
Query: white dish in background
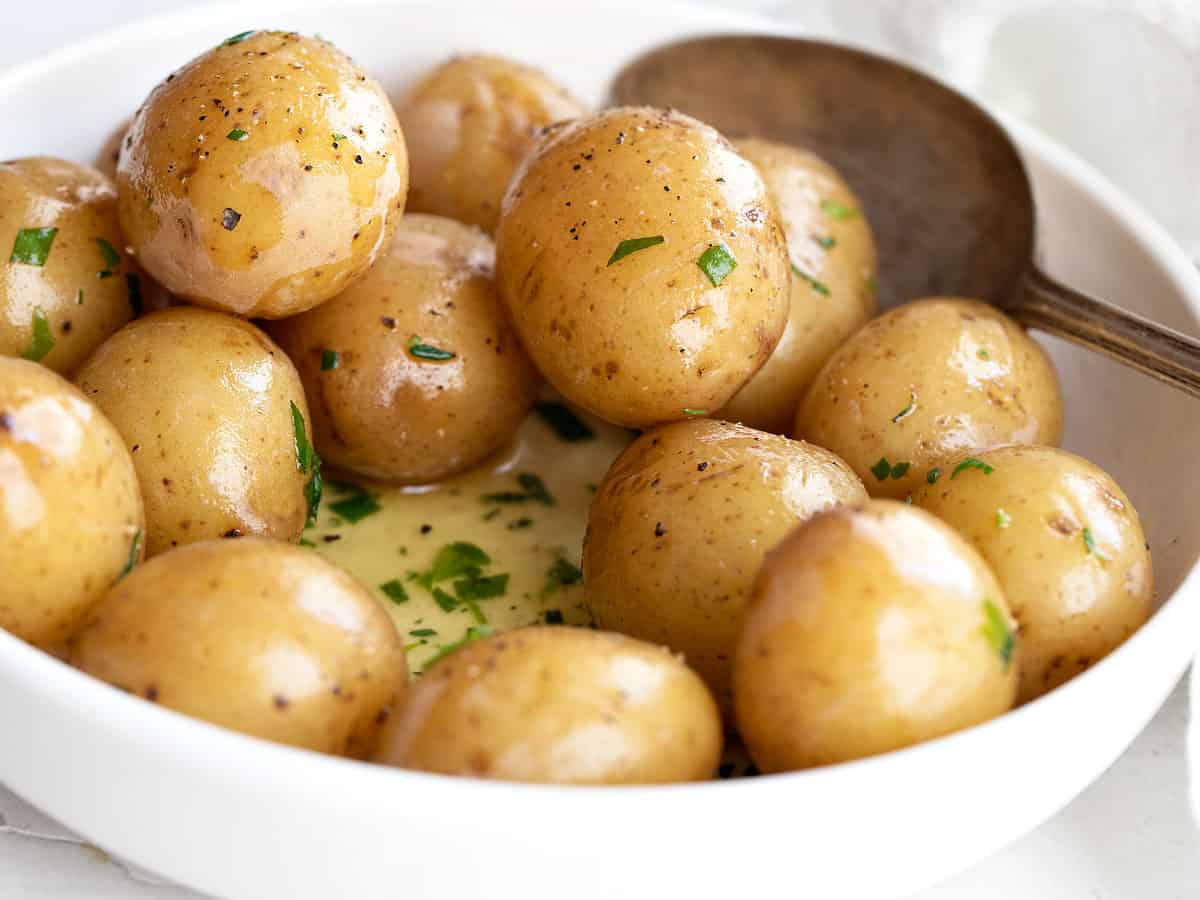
x=238, y=817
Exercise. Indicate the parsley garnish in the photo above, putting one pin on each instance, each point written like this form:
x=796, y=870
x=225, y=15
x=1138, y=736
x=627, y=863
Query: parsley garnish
x=474, y=633
x=568, y=426
x=133, y=552
x=934, y=474
x=1003, y=519
x=717, y=262
x=307, y=461
x=998, y=632
x=357, y=506
x=394, y=591
x=237, y=38
x=872, y=284
x=459, y=558
x=983, y=354
x=837, y=211
x=428, y=351
x=32, y=246
x=41, y=341
x=899, y=470
x=112, y=258
x=883, y=469
x=971, y=463
x=827, y=242
x=1089, y=543
x=562, y=573
x=695, y=412
x=330, y=360
x=337, y=137
x=633, y=245
x=444, y=600
x=481, y=587
x=423, y=632
x=533, y=489
x=819, y=287
x=908, y=410
x=237, y=134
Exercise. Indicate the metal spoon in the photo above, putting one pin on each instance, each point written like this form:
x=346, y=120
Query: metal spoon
x=946, y=192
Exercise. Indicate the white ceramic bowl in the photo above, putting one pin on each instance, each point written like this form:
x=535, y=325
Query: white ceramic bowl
x=238, y=817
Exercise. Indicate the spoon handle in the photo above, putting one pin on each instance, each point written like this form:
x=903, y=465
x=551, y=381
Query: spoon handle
x=1162, y=353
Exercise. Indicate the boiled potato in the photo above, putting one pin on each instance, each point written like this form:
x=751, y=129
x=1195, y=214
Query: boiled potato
x=70, y=512
x=557, y=705
x=1066, y=546
x=414, y=371
x=254, y=635
x=932, y=379
x=870, y=629
x=468, y=124
x=263, y=177
x=66, y=283
x=644, y=266
x=833, y=279
x=679, y=527
x=214, y=415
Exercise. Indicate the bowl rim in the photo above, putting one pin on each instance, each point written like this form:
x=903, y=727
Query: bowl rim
x=208, y=746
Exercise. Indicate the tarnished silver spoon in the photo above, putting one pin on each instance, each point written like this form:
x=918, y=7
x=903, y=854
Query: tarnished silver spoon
x=946, y=192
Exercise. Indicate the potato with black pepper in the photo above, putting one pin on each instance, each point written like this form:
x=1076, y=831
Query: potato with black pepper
x=70, y=513
x=215, y=418
x=870, y=629
x=679, y=527
x=832, y=252
x=1066, y=546
x=414, y=371
x=254, y=635
x=928, y=380
x=469, y=123
x=557, y=705
x=66, y=282
x=644, y=265
x=263, y=177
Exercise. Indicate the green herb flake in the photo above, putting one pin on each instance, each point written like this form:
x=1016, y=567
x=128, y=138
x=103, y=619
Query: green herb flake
x=1089, y=543
x=423, y=632
x=998, y=632
x=908, y=410
x=474, y=633
x=453, y=560
x=818, y=287
x=1003, y=519
x=444, y=600
x=394, y=591
x=562, y=573
x=112, y=258
x=553, y=617
x=872, y=284
x=633, y=245
x=827, y=242
x=131, y=561
x=971, y=463
x=237, y=134
x=337, y=137
x=237, y=38
x=983, y=354
x=330, y=360
x=303, y=447
x=717, y=262
x=536, y=489
x=32, y=246
x=133, y=290
x=691, y=413
x=79, y=297
x=356, y=507
x=481, y=587
x=568, y=426
x=899, y=470
x=838, y=211
x=882, y=469
x=309, y=462
x=41, y=341
x=934, y=474
x=305, y=542
x=427, y=351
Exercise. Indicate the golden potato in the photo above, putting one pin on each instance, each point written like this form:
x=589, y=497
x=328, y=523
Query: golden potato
x=414, y=372
x=643, y=264
x=680, y=525
x=832, y=252
x=263, y=177
x=70, y=511
x=932, y=379
x=65, y=281
x=214, y=415
x=870, y=629
x=557, y=705
x=468, y=125
x=1066, y=546
x=253, y=635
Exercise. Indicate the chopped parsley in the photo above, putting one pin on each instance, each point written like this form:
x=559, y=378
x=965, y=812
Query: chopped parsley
x=872, y=284
x=899, y=470
x=79, y=297
x=971, y=463
x=1003, y=519
x=827, y=242
x=717, y=262
x=453, y=560
x=330, y=359
x=533, y=489
x=427, y=351
x=357, y=506
x=998, y=632
x=423, y=632
x=633, y=245
x=237, y=134
x=908, y=410
x=838, y=211
x=394, y=591
x=307, y=460
x=553, y=617
x=481, y=587
x=818, y=287
x=983, y=354
x=32, y=246
x=112, y=258
x=883, y=469
x=337, y=137
x=1089, y=543
x=131, y=561
x=568, y=426
x=237, y=38
x=41, y=341
x=474, y=633
x=562, y=573
x=133, y=289
x=694, y=412
x=444, y=600
x=934, y=474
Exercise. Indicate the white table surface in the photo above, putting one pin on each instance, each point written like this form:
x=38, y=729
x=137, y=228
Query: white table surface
x=1129, y=836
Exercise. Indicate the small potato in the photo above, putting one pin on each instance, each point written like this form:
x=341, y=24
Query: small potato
x=1066, y=545
x=253, y=635
x=214, y=415
x=833, y=279
x=468, y=124
x=70, y=512
x=680, y=525
x=557, y=705
x=385, y=402
x=643, y=264
x=263, y=177
x=65, y=281
x=870, y=629
x=926, y=381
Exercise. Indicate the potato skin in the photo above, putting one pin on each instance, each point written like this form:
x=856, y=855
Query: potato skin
x=1027, y=519
x=639, y=340
x=81, y=305
x=234, y=191
x=469, y=123
x=393, y=416
x=203, y=402
x=928, y=380
x=832, y=251
x=70, y=511
x=679, y=527
x=254, y=635
x=868, y=632
x=558, y=705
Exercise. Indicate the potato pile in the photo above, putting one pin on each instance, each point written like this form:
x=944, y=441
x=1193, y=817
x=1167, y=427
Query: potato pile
x=833, y=534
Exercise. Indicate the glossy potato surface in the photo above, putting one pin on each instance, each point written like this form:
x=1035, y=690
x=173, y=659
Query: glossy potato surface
x=204, y=404
x=381, y=406
x=469, y=123
x=70, y=512
x=57, y=307
x=870, y=629
x=925, y=381
x=681, y=523
x=645, y=337
x=1066, y=546
x=254, y=635
x=263, y=177
x=832, y=252
x=558, y=705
